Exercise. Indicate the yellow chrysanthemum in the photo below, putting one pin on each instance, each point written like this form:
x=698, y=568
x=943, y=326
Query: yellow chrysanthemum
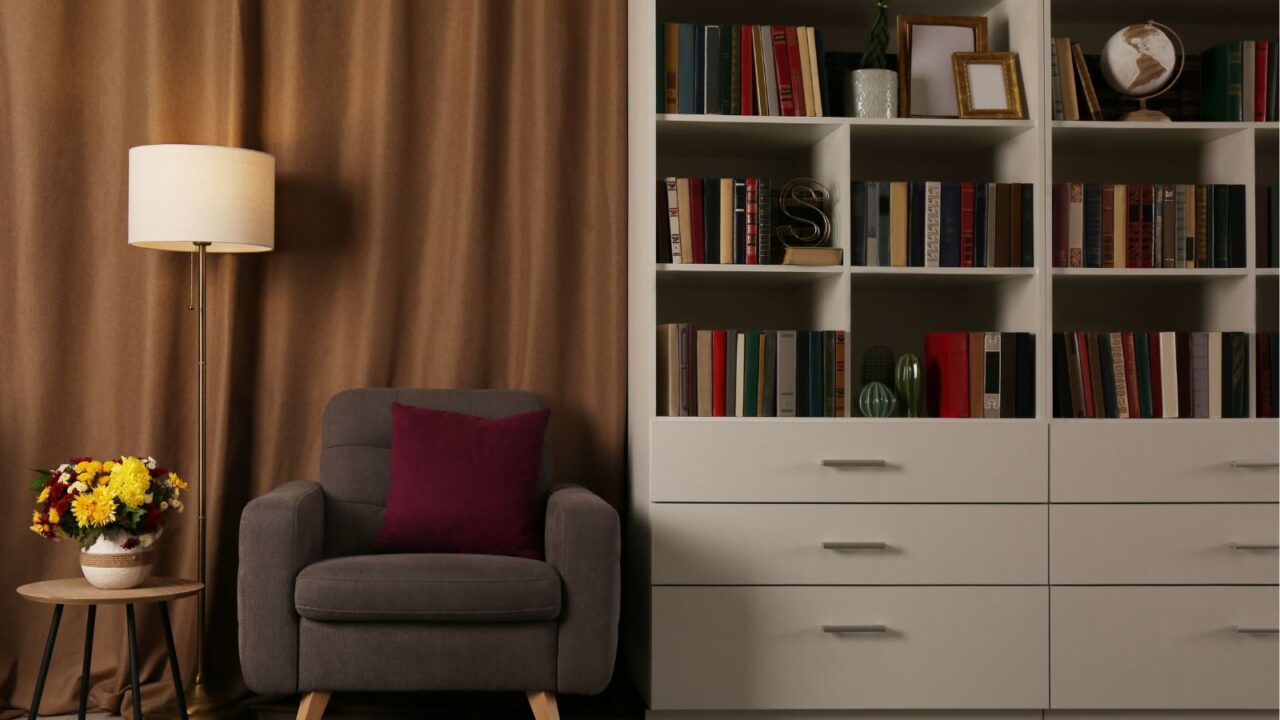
x=54, y=517
x=106, y=466
x=44, y=495
x=35, y=517
x=94, y=509
x=177, y=482
x=85, y=477
x=40, y=529
x=130, y=481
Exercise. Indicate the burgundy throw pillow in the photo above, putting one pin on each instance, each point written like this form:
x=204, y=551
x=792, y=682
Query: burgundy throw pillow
x=463, y=484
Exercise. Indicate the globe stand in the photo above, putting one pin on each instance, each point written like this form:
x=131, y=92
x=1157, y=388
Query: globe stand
x=1143, y=114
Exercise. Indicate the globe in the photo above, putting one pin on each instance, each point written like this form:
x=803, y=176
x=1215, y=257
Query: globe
x=1138, y=60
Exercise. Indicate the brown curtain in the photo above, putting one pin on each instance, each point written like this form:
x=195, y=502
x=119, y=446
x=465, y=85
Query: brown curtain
x=450, y=213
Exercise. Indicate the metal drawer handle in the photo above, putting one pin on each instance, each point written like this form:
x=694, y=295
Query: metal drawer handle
x=1255, y=629
x=855, y=545
x=1255, y=546
x=853, y=463
x=1245, y=464
x=854, y=629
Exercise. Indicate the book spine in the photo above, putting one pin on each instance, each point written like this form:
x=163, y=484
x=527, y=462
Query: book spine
x=739, y=375
x=977, y=373
x=1027, y=256
x=1169, y=225
x=730, y=71
x=991, y=375
x=816, y=105
x=786, y=102
x=950, y=246
x=1220, y=215
x=1061, y=223
x=840, y=373
x=1248, y=49
x=671, y=68
x=859, y=223
x=828, y=373
x=1024, y=373
x=752, y=215
x=1075, y=374
x=1168, y=375
x=898, y=224
x=1187, y=226
x=1157, y=234
x=795, y=70
x=1182, y=360
x=947, y=374
x=815, y=373
x=979, y=224
x=719, y=345
x=786, y=375
x=711, y=220
x=713, y=67
x=1061, y=387
x=886, y=229
x=1092, y=225
x=806, y=71
x=726, y=221
x=1239, y=375
x=683, y=370
x=1157, y=374
x=1236, y=225
x=751, y=374
x=764, y=222
x=1086, y=82
x=668, y=366
x=1075, y=226
x=703, y=357
x=992, y=216
x=871, y=244
x=678, y=198
x=746, y=72
x=1120, y=379
x=1070, y=108
x=1235, y=80
x=769, y=375
x=1108, y=249
x=1142, y=362
x=966, y=224
x=1262, y=361
x=1106, y=369
x=1148, y=226
x=699, y=70
x=1199, y=375
x=932, y=224
x=1216, y=375
x=824, y=88
x=663, y=224
x=1120, y=230
x=696, y=222
x=1133, y=232
x=1015, y=224
x=1131, y=376
x=739, y=221
x=1056, y=85
x=915, y=224
x=768, y=62
x=802, y=374
x=1088, y=362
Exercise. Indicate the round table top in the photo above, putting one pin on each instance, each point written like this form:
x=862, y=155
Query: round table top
x=78, y=591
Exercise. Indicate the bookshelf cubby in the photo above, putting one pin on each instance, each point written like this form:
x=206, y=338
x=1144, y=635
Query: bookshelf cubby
x=736, y=470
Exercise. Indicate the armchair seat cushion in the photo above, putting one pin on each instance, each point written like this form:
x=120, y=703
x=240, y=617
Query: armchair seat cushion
x=443, y=588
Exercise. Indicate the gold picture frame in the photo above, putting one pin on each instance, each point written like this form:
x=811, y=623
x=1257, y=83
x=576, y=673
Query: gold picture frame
x=977, y=96
x=937, y=97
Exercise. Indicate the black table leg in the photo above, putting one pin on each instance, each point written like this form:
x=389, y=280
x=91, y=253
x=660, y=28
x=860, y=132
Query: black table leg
x=84, y=669
x=173, y=660
x=133, y=663
x=44, y=664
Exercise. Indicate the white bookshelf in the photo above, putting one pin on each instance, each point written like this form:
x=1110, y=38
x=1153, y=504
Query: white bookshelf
x=677, y=461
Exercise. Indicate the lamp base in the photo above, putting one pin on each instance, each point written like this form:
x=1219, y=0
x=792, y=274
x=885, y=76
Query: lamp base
x=1145, y=115
x=200, y=704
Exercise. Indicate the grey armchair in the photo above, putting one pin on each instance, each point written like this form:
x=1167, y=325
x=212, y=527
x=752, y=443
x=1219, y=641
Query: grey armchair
x=320, y=613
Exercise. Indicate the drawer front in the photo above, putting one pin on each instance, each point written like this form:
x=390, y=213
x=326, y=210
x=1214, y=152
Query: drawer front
x=740, y=648
x=891, y=461
x=1164, y=461
x=1163, y=647
x=760, y=544
x=1172, y=544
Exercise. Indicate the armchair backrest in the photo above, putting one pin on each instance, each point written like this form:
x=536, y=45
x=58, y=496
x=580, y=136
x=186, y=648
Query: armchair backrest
x=355, y=456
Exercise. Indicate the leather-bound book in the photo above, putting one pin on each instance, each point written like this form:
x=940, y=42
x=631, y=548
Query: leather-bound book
x=1120, y=228
x=1133, y=229
x=991, y=376
x=840, y=373
x=1169, y=225
x=1024, y=382
x=1131, y=376
x=719, y=345
x=702, y=353
x=1199, y=374
x=1119, y=376
x=1142, y=357
x=1094, y=398
x=950, y=243
x=1092, y=225
x=782, y=64
x=977, y=373
x=1106, y=371
x=1108, y=249
x=1075, y=226
x=1168, y=375
x=980, y=224
x=1061, y=223
x=1157, y=374
x=947, y=374
x=1182, y=347
x=967, y=249
x=1202, y=227
x=1074, y=375
x=751, y=373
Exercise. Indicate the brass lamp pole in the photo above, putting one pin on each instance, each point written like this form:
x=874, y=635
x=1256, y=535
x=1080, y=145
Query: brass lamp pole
x=202, y=199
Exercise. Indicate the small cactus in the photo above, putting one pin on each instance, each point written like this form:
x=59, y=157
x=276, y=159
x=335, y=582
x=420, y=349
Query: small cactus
x=877, y=400
x=909, y=379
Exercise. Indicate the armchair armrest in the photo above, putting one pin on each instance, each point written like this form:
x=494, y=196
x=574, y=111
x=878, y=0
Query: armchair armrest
x=280, y=533
x=583, y=543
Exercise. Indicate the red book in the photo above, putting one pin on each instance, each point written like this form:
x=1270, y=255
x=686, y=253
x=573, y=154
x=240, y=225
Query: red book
x=1133, y=226
x=695, y=219
x=946, y=367
x=797, y=71
x=719, y=342
x=1131, y=376
x=753, y=218
x=1157, y=399
x=1148, y=236
x=966, y=224
x=1182, y=346
x=782, y=66
x=1086, y=373
x=1061, y=223
x=748, y=73
x=1260, y=81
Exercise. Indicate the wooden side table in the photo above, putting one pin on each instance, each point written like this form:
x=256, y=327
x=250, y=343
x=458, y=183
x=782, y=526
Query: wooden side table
x=78, y=591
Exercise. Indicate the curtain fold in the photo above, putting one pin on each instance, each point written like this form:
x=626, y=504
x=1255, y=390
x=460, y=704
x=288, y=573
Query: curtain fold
x=450, y=212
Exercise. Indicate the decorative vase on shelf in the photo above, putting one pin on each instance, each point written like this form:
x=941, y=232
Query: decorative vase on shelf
x=877, y=400
x=109, y=565
x=909, y=379
x=872, y=93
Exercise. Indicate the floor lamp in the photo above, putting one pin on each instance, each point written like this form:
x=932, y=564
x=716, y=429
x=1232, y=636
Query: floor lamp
x=201, y=199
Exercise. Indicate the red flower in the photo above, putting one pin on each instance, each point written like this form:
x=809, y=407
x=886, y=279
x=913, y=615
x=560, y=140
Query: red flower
x=131, y=543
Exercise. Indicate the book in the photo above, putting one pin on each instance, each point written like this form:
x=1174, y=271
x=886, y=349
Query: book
x=1169, y=225
x=686, y=222
x=1199, y=375
x=668, y=370
x=1092, y=226
x=769, y=374
x=730, y=71
x=991, y=375
x=1157, y=374
x=711, y=220
x=1004, y=228
x=1086, y=82
x=747, y=71
x=1186, y=226
x=1024, y=375
x=1262, y=361
x=1182, y=362
x=1142, y=359
x=989, y=258
x=1168, y=375
x=781, y=61
x=1119, y=231
x=703, y=359
x=1215, y=381
x=786, y=375
x=977, y=373
x=719, y=345
x=732, y=366
x=699, y=77
x=750, y=379
x=725, y=196
x=825, y=107
x=840, y=345
x=1221, y=256
x=764, y=222
x=686, y=372
x=947, y=374
x=711, y=71
x=884, y=235
x=1133, y=229
x=802, y=374
x=1148, y=226
x=1119, y=378
x=815, y=103
x=740, y=221
x=817, y=404
x=932, y=224
x=663, y=224
x=1075, y=375
x=1236, y=225
x=871, y=225
x=813, y=256
x=898, y=224
x=1239, y=385
x=1061, y=223
x=915, y=224
x=949, y=246
x=1248, y=49
x=806, y=81
x=1056, y=85
x=1066, y=76
x=1075, y=225
x=966, y=225
x=1202, y=255
x=796, y=71
x=1107, y=249
x=1027, y=256
x=697, y=242
x=770, y=102
x=829, y=373
x=685, y=65
x=752, y=213
x=1106, y=376
x=1061, y=387
x=859, y=230
x=1131, y=376
x=1091, y=375
x=979, y=225
x=1222, y=79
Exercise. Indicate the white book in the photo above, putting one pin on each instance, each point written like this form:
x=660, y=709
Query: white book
x=770, y=73
x=873, y=224
x=786, y=384
x=1169, y=374
x=1215, y=375
x=933, y=223
x=739, y=361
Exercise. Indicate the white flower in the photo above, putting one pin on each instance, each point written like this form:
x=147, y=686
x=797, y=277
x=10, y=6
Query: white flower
x=79, y=487
x=164, y=504
x=146, y=540
x=176, y=504
x=64, y=478
x=150, y=462
x=159, y=533
x=146, y=499
x=63, y=468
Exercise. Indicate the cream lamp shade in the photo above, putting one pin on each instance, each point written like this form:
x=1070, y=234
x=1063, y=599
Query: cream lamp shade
x=181, y=195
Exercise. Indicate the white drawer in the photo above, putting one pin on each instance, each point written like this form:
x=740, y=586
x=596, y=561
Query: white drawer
x=1172, y=544
x=1164, y=461
x=747, y=460
x=740, y=648
x=762, y=544
x=1163, y=647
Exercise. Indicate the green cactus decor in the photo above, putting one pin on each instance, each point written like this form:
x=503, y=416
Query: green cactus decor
x=877, y=365
x=909, y=379
x=878, y=41
x=877, y=400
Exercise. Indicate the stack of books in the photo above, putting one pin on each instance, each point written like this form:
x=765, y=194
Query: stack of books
x=1268, y=363
x=1266, y=206
x=1238, y=81
x=1151, y=375
x=716, y=220
x=1148, y=226
x=741, y=70
x=980, y=374
x=752, y=373
x=943, y=224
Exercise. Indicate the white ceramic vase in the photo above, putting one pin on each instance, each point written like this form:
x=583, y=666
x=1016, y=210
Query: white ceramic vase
x=108, y=565
x=872, y=94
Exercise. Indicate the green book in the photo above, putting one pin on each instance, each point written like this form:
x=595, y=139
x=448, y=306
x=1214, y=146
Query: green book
x=1222, y=82
x=750, y=373
x=816, y=375
x=1239, y=374
x=1220, y=239
x=1142, y=359
x=829, y=373
x=728, y=37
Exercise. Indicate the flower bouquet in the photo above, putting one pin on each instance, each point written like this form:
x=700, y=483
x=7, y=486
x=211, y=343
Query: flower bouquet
x=115, y=508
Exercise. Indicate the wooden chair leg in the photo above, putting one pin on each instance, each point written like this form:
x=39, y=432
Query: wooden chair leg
x=312, y=705
x=543, y=704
